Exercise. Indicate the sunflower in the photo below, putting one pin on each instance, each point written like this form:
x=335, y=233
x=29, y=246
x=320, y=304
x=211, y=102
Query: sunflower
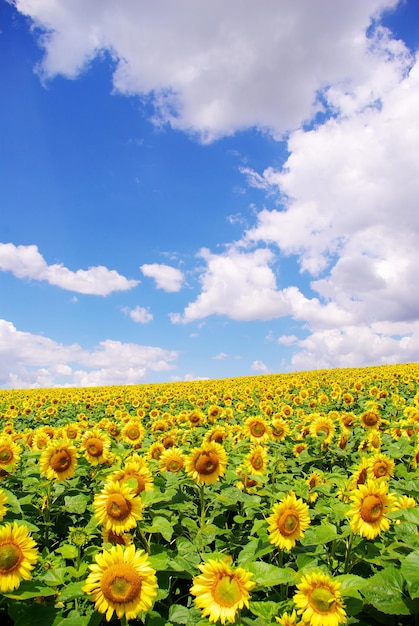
x=323, y=428
x=172, y=460
x=155, y=450
x=121, y=580
x=96, y=446
x=218, y=434
x=257, y=429
x=117, y=507
x=3, y=502
x=280, y=429
x=18, y=554
x=288, y=521
x=370, y=503
x=221, y=590
x=71, y=431
x=207, y=463
x=370, y=419
x=133, y=433
x=381, y=466
x=319, y=601
x=136, y=474
x=256, y=461
x=108, y=536
x=9, y=454
x=58, y=460
x=287, y=619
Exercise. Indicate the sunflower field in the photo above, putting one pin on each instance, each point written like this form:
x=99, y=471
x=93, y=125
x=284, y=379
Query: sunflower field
x=277, y=499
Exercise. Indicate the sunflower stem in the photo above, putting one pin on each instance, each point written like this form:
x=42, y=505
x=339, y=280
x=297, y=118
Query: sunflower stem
x=348, y=553
x=202, y=504
x=143, y=540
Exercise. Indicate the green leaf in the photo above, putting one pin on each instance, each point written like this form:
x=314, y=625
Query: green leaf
x=351, y=584
x=409, y=515
x=255, y=548
x=410, y=571
x=73, y=619
x=319, y=535
x=71, y=591
x=179, y=614
x=267, y=575
x=76, y=504
x=266, y=610
x=30, y=589
x=67, y=551
x=384, y=592
x=161, y=525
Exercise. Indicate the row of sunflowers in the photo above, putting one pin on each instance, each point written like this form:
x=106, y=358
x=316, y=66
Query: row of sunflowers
x=281, y=499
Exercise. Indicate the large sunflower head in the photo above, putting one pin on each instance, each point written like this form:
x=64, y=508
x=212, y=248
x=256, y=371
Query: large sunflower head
x=257, y=459
x=136, y=474
x=381, y=466
x=58, y=460
x=370, y=504
x=96, y=445
x=117, y=507
x=18, y=554
x=207, y=463
x=323, y=428
x=288, y=521
x=318, y=600
x=257, y=429
x=172, y=460
x=133, y=433
x=221, y=590
x=9, y=454
x=121, y=581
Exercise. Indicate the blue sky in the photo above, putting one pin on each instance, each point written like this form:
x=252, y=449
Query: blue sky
x=206, y=189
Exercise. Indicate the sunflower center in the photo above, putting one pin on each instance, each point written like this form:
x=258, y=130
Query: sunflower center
x=133, y=432
x=371, y=509
x=206, y=463
x=10, y=557
x=288, y=523
x=380, y=469
x=257, y=429
x=322, y=600
x=227, y=591
x=94, y=446
x=121, y=584
x=118, y=507
x=60, y=461
x=6, y=455
x=257, y=462
x=370, y=419
x=174, y=465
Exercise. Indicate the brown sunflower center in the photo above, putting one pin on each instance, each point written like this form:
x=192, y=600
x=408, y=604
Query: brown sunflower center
x=227, y=591
x=118, y=507
x=322, y=600
x=60, y=461
x=288, y=523
x=370, y=419
x=94, y=446
x=257, y=429
x=206, y=463
x=133, y=432
x=121, y=584
x=10, y=557
x=6, y=455
x=380, y=469
x=174, y=465
x=257, y=462
x=371, y=509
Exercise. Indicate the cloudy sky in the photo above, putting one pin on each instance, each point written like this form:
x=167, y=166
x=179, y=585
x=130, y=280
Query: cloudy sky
x=206, y=189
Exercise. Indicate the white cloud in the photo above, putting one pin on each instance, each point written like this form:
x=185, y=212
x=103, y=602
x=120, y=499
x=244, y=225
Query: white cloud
x=220, y=356
x=28, y=360
x=259, y=366
x=167, y=278
x=215, y=67
x=27, y=262
x=139, y=314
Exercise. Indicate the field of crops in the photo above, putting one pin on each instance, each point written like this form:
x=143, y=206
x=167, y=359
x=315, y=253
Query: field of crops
x=289, y=499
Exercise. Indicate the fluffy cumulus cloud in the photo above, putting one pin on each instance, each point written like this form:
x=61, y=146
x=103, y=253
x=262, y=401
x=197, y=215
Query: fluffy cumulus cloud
x=167, y=278
x=138, y=314
x=27, y=262
x=28, y=360
x=213, y=67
